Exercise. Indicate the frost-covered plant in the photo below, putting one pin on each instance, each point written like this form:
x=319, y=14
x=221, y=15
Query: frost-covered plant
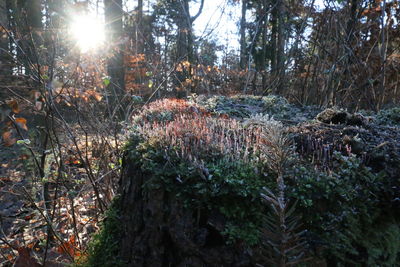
x=165, y=110
x=389, y=116
x=196, y=136
x=284, y=245
x=245, y=106
x=224, y=164
x=206, y=162
x=347, y=212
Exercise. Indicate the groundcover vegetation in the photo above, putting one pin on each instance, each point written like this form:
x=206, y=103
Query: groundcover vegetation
x=287, y=205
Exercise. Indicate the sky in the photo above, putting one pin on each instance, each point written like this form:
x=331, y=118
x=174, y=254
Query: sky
x=218, y=20
x=222, y=19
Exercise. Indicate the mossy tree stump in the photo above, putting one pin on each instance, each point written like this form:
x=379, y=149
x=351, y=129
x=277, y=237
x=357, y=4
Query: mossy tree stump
x=191, y=186
x=158, y=231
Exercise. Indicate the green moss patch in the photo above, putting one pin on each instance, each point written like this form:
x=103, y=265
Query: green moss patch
x=104, y=247
x=389, y=116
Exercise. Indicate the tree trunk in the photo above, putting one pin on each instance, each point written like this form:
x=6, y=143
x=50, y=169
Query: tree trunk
x=55, y=11
x=185, y=33
x=113, y=14
x=159, y=231
x=280, y=61
x=264, y=46
x=138, y=29
x=277, y=46
x=243, y=45
x=27, y=17
x=274, y=33
x=5, y=58
x=383, y=54
x=185, y=42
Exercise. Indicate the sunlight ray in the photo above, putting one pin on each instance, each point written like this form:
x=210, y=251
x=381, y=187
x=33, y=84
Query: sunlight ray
x=88, y=32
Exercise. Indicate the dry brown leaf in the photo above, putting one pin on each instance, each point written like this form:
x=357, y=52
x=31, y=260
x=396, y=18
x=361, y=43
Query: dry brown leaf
x=21, y=122
x=24, y=157
x=69, y=247
x=13, y=104
x=10, y=257
x=8, y=139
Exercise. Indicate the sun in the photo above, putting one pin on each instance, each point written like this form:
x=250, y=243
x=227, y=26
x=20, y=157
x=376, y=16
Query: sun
x=88, y=32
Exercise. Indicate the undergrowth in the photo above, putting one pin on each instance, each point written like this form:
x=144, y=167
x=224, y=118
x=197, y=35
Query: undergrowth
x=104, y=246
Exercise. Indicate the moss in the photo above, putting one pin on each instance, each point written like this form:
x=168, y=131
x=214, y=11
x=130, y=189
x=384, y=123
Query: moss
x=231, y=188
x=343, y=212
x=165, y=110
x=104, y=246
x=382, y=244
x=244, y=106
x=389, y=116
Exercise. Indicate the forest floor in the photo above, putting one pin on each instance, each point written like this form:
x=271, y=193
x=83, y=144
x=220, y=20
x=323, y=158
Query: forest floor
x=24, y=218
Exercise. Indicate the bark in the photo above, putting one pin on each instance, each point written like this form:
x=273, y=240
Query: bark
x=280, y=61
x=352, y=20
x=349, y=46
x=27, y=19
x=184, y=21
x=5, y=59
x=186, y=28
x=33, y=9
x=185, y=39
x=274, y=32
x=159, y=231
x=278, y=45
x=113, y=17
x=383, y=54
x=264, y=46
x=138, y=28
x=243, y=45
x=55, y=12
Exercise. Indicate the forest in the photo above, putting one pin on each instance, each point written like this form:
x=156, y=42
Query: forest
x=199, y=133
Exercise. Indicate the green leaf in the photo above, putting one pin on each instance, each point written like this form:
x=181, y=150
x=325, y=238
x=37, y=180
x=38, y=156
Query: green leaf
x=106, y=81
x=24, y=142
x=150, y=84
x=137, y=99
